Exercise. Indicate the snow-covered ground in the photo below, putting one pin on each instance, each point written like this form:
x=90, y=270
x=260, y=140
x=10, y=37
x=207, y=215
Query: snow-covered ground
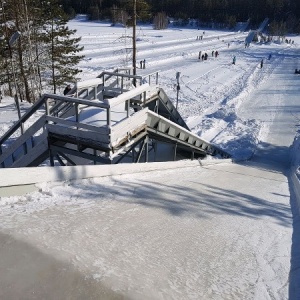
x=219, y=231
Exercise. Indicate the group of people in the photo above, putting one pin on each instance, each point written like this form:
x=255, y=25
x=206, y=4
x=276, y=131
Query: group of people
x=204, y=56
x=214, y=54
x=289, y=41
x=143, y=64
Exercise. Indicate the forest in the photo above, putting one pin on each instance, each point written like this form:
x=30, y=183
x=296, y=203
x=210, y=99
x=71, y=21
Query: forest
x=38, y=52
x=222, y=12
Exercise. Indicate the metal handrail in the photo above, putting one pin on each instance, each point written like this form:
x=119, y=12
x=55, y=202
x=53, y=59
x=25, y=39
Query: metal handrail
x=152, y=75
x=60, y=103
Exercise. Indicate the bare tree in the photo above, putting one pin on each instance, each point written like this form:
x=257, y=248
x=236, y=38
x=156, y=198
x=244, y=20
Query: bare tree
x=160, y=21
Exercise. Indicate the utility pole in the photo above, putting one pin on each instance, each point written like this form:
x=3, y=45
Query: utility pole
x=177, y=88
x=11, y=42
x=134, y=38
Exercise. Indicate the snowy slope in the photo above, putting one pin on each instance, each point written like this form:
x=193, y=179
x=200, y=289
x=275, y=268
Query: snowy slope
x=209, y=232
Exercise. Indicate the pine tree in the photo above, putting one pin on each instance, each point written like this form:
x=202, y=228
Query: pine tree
x=45, y=52
x=61, y=47
x=142, y=10
x=14, y=48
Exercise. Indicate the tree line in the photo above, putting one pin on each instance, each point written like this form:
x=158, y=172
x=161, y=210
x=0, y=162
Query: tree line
x=38, y=52
x=207, y=12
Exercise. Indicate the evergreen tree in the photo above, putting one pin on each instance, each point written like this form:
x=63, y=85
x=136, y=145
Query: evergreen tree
x=45, y=51
x=207, y=11
x=17, y=38
x=62, y=48
x=142, y=10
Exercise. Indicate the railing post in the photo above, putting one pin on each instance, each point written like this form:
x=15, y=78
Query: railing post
x=128, y=107
x=193, y=155
x=122, y=84
x=144, y=100
x=175, y=151
x=108, y=117
x=95, y=154
x=147, y=149
x=76, y=114
x=47, y=108
x=51, y=156
x=32, y=141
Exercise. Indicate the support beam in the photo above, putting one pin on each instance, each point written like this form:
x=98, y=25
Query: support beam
x=146, y=148
x=60, y=160
x=140, y=152
x=91, y=157
x=51, y=157
x=68, y=159
x=130, y=149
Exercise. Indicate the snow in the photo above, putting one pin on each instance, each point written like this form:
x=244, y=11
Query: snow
x=212, y=231
x=88, y=83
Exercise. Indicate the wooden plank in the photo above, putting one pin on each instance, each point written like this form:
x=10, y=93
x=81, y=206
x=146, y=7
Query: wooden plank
x=94, y=103
x=17, y=144
x=72, y=124
x=185, y=137
x=75, y=136
x=35, y=153
x=80, y=154
x=125, y=138
x=23, y=119
x=127, y=127
x=128, y=95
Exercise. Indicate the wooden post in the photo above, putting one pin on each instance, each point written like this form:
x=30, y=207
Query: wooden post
x=175, y=151
x=147, y=149
x=108, y=117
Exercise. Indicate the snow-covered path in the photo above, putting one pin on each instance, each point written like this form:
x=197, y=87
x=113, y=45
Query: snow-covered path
x=158, y=236
x=275, y=103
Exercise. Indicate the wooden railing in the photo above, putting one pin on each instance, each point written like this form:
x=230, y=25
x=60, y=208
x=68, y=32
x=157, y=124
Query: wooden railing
x=52, y=107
